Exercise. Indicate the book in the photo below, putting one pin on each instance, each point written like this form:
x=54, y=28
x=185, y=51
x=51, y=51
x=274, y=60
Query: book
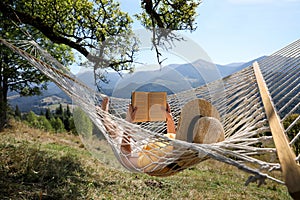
x=151, y=106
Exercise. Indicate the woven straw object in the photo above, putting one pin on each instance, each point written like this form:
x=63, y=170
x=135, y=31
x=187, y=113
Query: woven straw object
x=200, y=118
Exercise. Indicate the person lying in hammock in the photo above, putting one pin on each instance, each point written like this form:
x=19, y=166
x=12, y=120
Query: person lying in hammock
x=200, y=125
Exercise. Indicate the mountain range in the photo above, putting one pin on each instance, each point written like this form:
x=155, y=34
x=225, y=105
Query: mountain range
x=172, y=78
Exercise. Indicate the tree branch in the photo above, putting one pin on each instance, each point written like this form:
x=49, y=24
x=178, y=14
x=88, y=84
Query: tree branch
x=151, y=11
x=38, y=23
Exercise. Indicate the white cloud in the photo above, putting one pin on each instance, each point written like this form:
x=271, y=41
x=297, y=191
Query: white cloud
x=250, y=1
x=260, y=1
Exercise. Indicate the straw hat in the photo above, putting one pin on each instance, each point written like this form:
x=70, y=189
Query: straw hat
x=200, y=123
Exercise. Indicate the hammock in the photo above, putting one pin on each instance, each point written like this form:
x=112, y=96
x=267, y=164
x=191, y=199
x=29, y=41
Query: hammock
x=248, y=143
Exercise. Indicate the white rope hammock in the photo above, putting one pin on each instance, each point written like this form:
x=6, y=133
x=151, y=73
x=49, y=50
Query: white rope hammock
x=248, y=143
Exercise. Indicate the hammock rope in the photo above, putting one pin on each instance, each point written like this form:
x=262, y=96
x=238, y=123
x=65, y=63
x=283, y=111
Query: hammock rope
x=248, y=143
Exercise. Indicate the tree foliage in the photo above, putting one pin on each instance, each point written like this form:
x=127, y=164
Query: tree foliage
x=82, y=25
x=293, y=131
x=15, y=72
x=48, y=114
x=162, y=17
x=169, y=14
x=58, y=121
x=84, y=125
x=57, y=125
x=17, y=113
x=85, y=25
x=32, y=119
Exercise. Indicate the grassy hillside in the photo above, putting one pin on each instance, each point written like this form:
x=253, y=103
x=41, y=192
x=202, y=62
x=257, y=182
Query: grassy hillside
x=39, y=165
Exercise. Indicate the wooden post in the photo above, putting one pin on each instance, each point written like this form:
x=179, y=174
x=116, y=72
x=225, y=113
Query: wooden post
x=287, y=158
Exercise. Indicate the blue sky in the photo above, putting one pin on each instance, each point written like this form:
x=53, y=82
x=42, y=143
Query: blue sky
x=241, y=30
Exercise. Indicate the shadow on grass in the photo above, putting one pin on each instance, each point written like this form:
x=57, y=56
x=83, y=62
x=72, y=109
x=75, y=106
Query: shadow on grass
x=26, y=172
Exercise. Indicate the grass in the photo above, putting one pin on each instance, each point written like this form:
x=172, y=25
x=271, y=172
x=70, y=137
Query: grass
x=39, y=165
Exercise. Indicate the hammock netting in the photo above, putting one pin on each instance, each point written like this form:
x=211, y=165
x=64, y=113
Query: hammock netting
x=248, y=143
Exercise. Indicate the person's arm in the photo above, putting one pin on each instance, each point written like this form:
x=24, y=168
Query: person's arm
x=125, y=147
x=128, y=160
x=131, y=113
x=170, y=120
x=109, y=124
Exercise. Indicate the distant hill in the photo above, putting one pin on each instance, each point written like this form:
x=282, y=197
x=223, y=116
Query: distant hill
x=49, y=97
x=175, y=77
x=229, y=69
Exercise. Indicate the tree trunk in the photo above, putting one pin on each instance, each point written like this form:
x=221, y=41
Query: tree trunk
x=3, y=111
x=3, y=98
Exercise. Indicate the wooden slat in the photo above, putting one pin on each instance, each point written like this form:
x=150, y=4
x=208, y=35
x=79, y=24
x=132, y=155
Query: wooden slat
x=287, y=158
